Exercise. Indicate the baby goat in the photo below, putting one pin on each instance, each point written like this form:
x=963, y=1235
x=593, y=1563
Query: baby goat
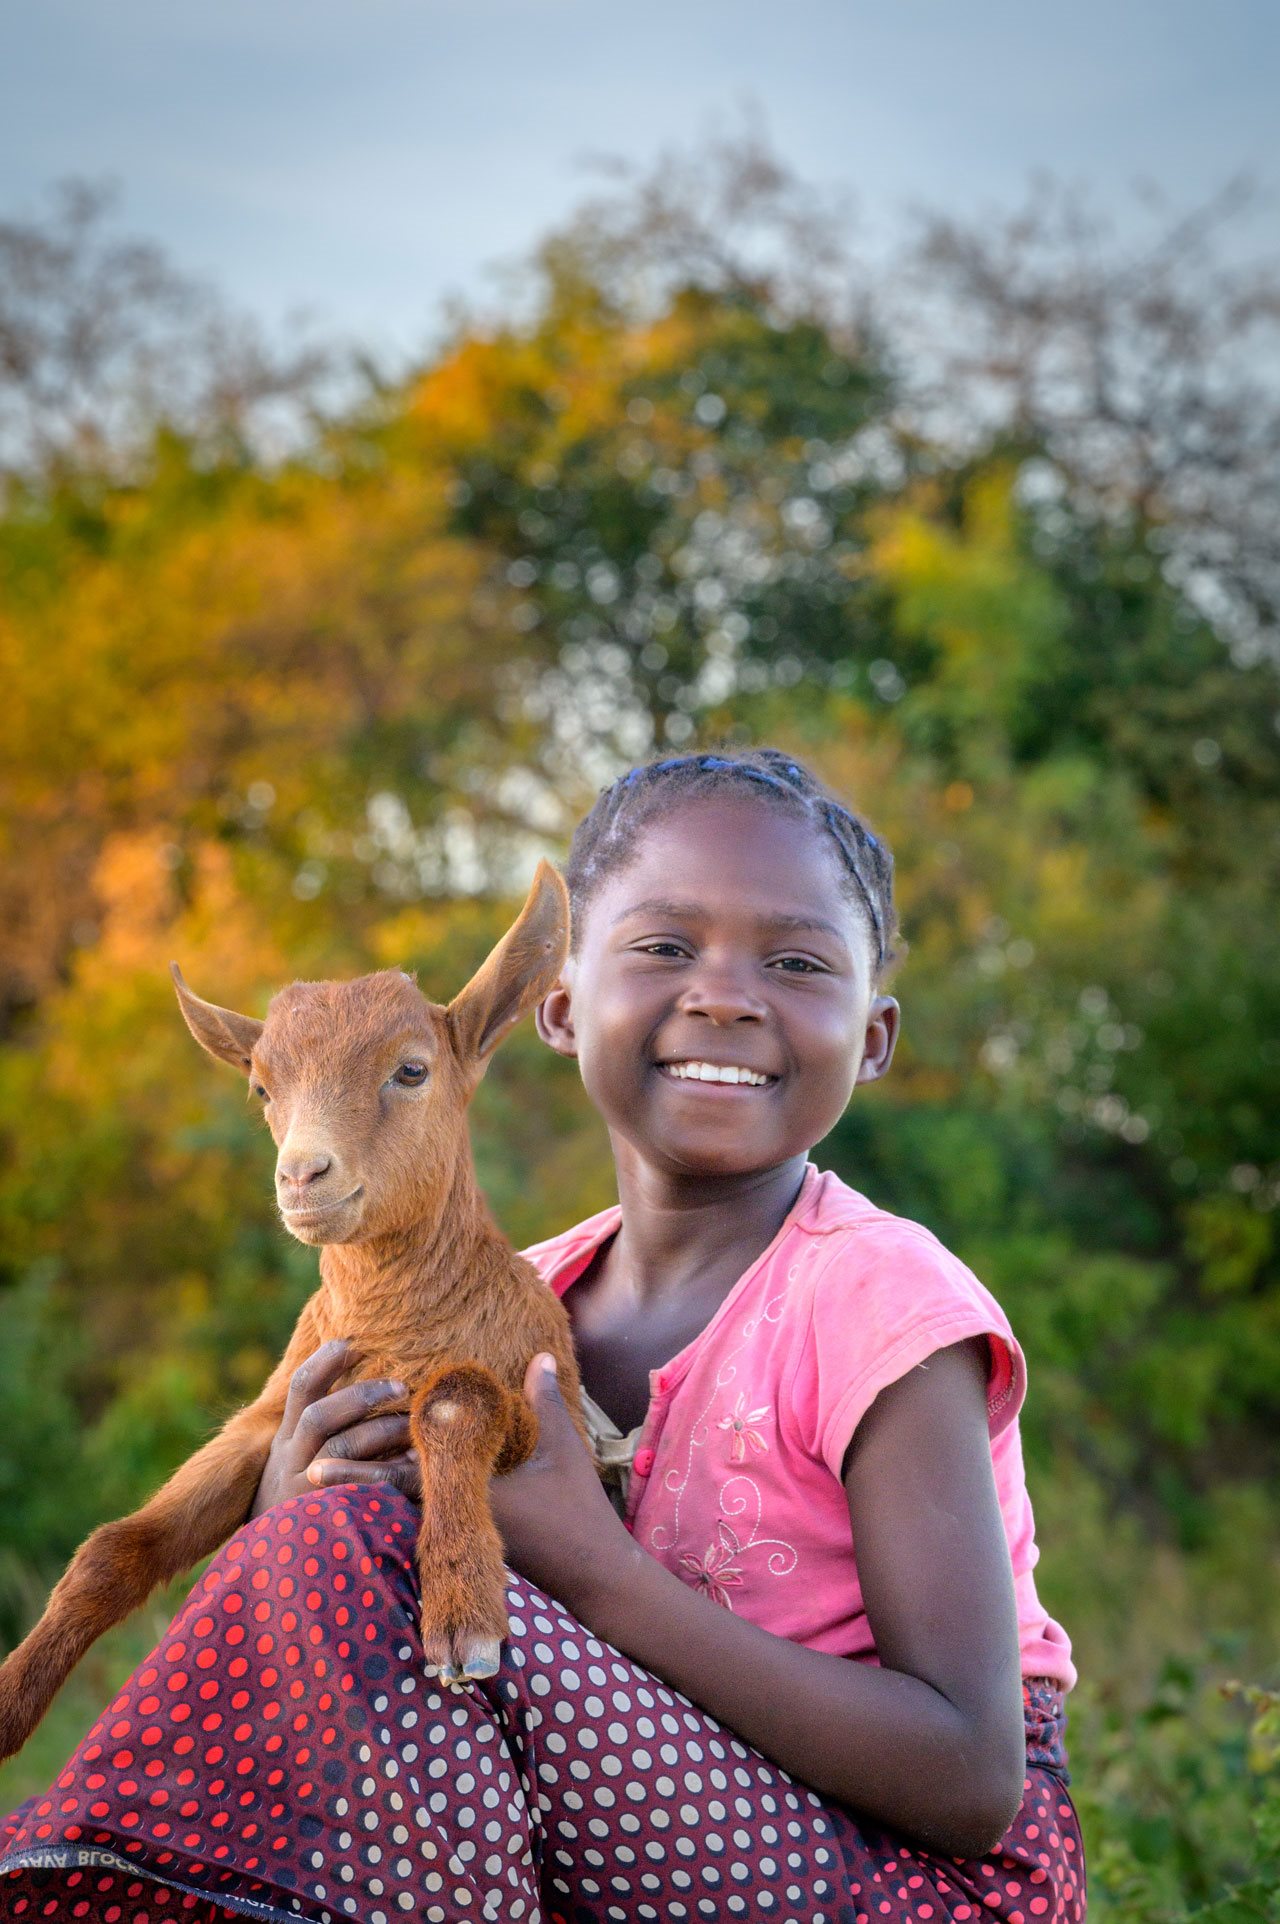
x=365, y=1086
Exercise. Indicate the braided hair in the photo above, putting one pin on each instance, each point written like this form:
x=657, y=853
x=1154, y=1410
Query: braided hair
x=605, y=839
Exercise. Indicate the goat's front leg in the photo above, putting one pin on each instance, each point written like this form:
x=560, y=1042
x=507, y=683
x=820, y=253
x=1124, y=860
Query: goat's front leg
x=461, y=1422
x=121, y=1563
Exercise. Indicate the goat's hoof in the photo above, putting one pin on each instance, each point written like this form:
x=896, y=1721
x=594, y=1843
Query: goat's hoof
x=481, y=1658
x=464, y=1658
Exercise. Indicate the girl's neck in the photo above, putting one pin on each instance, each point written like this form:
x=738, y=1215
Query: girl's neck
x=677, y=1229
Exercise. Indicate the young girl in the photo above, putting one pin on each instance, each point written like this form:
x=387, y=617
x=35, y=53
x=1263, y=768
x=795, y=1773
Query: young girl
x=804, y=1674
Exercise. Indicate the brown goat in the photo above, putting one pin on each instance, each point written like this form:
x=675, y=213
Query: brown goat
x=366, y=1086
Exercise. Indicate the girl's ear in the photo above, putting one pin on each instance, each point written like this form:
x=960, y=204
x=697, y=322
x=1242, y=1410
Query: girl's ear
x=883, y=1021
x=554, y=1016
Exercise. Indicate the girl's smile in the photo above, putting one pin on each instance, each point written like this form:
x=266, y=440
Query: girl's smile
x=717, y=1075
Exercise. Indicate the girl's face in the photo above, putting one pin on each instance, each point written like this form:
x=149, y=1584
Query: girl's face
x=726, y=942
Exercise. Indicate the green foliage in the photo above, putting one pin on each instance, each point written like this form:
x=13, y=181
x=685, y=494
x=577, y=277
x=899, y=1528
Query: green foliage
x=1181, y=1805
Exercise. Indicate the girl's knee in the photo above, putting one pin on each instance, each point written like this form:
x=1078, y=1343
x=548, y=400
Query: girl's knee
x=341, y=1524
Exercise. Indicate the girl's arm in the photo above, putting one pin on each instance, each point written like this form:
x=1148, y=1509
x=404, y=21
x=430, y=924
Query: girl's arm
x=931, y=1741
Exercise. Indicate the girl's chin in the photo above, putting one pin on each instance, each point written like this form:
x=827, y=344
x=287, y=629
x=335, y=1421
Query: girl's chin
x=711, y=1152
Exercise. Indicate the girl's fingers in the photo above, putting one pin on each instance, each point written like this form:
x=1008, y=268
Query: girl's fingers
x=403, y=1471
x=378, y=1437
x=330, y=1416
x=311, y=1379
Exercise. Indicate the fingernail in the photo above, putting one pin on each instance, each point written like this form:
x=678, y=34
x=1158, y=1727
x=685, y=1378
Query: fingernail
x=547, y=1363
x=314, y=1473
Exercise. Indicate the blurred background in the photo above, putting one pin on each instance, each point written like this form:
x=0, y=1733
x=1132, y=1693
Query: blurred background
x=410, y=415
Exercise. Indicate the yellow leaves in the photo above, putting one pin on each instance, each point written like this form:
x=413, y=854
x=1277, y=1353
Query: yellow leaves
x=991, y=614
x=467, y=395
x=133, y=886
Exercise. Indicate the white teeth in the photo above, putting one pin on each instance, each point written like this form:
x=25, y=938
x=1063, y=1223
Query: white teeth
x=713, y=1072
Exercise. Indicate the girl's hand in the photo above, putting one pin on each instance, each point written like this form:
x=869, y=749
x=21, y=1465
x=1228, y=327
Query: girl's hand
x=333, y=1438
x=558, y=1527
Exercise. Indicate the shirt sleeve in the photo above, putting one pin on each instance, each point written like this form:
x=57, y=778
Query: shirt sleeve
x=887, y=1298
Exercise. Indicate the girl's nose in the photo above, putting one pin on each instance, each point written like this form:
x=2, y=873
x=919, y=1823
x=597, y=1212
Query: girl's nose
x=723, y=995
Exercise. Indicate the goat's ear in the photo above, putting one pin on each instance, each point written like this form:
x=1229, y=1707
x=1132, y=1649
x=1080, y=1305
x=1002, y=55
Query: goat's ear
x=230, y=1037
x=524, y=966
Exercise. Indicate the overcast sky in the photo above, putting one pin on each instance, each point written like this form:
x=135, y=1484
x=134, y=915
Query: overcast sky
x=363, y=158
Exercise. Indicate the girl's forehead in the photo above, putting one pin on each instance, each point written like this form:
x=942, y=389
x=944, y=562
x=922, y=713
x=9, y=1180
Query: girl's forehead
x=730, y=851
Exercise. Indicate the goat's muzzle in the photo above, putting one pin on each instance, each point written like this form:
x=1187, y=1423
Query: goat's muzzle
x=314, y=1218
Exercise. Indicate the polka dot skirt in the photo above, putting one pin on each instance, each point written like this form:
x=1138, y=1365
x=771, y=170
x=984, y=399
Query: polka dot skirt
x=286, y=1753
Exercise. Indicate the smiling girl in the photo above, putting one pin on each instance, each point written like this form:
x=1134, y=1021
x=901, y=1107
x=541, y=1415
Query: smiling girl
x=787, y=1659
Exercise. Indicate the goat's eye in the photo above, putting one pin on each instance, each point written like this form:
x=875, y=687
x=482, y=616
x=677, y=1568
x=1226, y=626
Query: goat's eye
x=260, y=1092
x=411, y=1075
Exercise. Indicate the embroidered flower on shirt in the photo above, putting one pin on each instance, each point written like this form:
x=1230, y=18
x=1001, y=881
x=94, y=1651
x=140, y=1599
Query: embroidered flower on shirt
x=715, y=1571
x=742, y=1423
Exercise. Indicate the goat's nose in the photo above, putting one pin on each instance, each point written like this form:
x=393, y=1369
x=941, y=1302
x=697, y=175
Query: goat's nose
x=300, y=1170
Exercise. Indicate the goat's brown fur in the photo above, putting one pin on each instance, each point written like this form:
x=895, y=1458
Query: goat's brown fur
x=414, y=1273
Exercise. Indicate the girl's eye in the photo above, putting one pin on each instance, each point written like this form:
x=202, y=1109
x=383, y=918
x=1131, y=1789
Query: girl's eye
x=411, y=1075
x=662, y=948
x=797, y=965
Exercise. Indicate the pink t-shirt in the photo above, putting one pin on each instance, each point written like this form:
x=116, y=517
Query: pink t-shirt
x=736, y=1483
